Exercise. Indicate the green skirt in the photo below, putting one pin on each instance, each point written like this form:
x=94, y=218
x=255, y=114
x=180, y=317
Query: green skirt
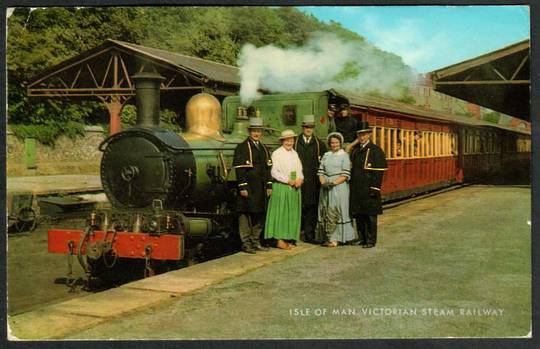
x=284, y=213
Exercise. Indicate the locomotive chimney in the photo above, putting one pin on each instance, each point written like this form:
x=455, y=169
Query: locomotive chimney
x=147, y=89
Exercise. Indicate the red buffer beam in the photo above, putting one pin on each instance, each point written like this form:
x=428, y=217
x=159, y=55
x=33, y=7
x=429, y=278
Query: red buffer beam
x=125, y=244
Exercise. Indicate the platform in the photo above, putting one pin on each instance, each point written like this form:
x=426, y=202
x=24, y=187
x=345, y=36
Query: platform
x=57, y=184
x=456, y=264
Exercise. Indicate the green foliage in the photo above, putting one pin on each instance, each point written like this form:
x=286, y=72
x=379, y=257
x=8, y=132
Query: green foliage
x=48, y=133
x=407, y=98
x=491, y=117
x=350, y=70
x=38, y=40
x=129, y=115
x=168, y=118
x=342, y=33
x=466, y=114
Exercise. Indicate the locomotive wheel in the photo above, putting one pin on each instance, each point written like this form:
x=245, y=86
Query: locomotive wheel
x=25, y=220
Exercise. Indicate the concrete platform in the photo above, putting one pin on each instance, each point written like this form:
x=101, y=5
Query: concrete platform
x=452, y=265
x=58, y=184
x=65, y=318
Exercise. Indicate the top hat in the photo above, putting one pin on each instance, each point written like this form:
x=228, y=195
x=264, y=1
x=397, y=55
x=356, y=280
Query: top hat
x=255, y=123
x=363, y=126
x=308, y=120
x=287, y=134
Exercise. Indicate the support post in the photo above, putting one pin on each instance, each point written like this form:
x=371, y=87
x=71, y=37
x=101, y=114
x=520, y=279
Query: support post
x=114, y=106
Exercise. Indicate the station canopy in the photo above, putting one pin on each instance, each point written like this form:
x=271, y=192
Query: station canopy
x=499, y=80
x=105, y=72
x=107, y=69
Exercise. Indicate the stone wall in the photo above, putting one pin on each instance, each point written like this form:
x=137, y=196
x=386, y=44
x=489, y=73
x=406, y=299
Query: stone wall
x=77, y=156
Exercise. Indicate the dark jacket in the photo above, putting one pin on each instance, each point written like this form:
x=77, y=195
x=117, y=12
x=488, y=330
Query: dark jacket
x=310, y=155
x=368, y=166
x=252, y=165
x=347, y=126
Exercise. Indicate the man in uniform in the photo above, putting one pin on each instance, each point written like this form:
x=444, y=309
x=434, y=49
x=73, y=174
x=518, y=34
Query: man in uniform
x=252, y=163
x=344, y=122
x=368, y=166
x=310, y=150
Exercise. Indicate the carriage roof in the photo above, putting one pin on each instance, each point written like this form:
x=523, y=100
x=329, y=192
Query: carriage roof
x=386, y=104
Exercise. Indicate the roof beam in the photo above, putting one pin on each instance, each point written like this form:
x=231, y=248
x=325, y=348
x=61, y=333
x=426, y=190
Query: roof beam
x=483, y=82
x=489, y=57
x=518, y=69
x=102, y=91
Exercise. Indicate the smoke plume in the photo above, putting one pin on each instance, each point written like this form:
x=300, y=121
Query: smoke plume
x=324, y=62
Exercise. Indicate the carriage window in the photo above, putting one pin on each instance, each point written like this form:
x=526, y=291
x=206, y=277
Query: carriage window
x=429, y=144
x=470, y=138
x=465, y=135
x=441, y=144
x=436, y=147
x=289, y=115
x=405, y=143
x=453, y=145
x=417, y=143
x=391, y=143
x=399, y=146
x=377, y=136
x=470, y=144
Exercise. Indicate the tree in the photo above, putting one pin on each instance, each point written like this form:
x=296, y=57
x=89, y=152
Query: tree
x=42, y=38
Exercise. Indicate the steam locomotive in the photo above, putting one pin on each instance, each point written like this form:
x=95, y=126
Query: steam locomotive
x=172, y=194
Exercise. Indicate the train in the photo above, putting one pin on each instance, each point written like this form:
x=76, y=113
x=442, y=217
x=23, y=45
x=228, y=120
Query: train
x=172, y=193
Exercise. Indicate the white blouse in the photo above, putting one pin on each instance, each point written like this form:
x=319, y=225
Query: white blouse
x=283, y=163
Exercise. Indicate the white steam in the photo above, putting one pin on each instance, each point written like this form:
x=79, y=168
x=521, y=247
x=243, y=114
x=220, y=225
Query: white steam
x=324, y=62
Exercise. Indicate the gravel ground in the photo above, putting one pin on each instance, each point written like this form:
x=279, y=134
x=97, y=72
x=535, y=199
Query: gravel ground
x=36, y=277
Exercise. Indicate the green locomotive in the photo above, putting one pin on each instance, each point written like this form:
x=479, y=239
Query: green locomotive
x=172, y=194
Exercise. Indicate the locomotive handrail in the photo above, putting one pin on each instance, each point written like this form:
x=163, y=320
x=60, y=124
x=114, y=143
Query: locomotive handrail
x=223, y=165
x=83, y=264
x=271, y=129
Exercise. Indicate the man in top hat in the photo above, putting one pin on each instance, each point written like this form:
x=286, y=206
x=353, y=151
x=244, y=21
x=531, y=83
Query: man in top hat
x=252, y=164
x=368, y=166
x=343, y=121
x=310, y=150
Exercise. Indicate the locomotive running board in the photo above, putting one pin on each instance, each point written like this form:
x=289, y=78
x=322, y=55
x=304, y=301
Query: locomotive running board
x=125, y=245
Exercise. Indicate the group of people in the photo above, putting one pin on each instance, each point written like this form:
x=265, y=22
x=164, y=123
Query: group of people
x=308, y=187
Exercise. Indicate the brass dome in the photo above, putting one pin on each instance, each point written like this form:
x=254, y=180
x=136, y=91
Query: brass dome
x=203, y=117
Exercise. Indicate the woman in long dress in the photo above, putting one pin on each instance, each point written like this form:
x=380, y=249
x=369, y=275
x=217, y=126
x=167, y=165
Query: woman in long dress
x=284, y=208
x=334, y=224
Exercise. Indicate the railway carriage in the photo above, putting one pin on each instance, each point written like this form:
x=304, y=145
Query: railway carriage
x=172, y=193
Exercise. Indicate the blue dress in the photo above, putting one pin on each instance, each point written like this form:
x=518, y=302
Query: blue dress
x=334, y=165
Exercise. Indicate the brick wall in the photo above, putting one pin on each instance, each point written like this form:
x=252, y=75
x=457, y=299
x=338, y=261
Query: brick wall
x=78, y=156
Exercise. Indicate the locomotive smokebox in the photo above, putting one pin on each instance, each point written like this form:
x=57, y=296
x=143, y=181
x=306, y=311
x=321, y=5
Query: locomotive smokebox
x=147, y=89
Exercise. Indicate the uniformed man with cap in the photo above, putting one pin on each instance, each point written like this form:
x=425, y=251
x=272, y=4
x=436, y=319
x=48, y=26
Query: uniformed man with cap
x=343, y=121
x=252, y=164
x=368, y=166
x=310, y=150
